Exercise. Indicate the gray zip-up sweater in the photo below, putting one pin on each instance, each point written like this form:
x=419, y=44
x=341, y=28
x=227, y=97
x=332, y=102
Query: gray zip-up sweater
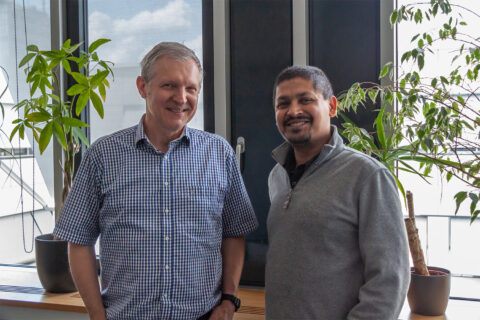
x=337, y=242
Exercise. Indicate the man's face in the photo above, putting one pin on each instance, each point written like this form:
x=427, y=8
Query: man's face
x=303, y=114
x=171, y=95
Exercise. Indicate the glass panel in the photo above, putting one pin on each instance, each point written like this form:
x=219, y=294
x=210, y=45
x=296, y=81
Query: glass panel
x=134, y=28
x=26, y=178
x=447, y=239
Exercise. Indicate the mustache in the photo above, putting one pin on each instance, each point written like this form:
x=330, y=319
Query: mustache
x=299, y=117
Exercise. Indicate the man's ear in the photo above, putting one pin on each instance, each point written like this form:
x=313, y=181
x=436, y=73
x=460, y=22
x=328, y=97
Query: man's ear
x=141, y=84
x=332, y=106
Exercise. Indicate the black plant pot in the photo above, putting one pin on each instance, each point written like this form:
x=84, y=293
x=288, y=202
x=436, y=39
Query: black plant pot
x=428, y=295
x=52, y=264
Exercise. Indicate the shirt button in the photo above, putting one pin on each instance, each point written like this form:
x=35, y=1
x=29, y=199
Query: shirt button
x=167, y=211
x=167, y=238
x=165, y=295
x=166, y=267
x=166, y=157
x=166, y=183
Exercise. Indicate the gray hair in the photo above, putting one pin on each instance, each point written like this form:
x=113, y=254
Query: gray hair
x=173, y=50
x=313, y=74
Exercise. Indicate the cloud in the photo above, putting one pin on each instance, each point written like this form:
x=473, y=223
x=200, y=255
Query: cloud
x=99, y=25
x=171, y=17
x=129, y=35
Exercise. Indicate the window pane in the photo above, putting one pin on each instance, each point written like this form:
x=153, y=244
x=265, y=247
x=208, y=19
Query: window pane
x=446, y=238
x=26, y=178
x=134, y=28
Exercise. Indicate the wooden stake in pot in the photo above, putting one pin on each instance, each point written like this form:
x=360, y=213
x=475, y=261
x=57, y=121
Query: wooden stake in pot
x=414, y=241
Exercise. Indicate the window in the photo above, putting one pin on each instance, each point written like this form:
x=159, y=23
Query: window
x=446, y=239
x=26, y=177
x=134, y=28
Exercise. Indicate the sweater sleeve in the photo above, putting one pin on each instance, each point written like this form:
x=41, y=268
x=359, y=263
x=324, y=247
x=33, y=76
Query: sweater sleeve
x=384, y=250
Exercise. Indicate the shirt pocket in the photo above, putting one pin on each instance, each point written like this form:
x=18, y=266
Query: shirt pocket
x=202, y=209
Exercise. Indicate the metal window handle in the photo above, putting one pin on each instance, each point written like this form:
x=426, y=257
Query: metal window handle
x=239, y=151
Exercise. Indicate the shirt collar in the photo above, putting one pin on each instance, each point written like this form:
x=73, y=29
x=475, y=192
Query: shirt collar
x=141, y=137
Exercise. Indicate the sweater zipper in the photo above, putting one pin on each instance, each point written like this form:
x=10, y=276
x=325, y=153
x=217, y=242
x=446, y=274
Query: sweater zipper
x=287, y=201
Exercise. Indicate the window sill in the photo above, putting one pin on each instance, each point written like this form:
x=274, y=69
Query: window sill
x=29, y=296
x=32, y=296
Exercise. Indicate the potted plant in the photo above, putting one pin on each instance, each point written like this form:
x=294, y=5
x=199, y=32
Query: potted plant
x=433, y=123
x=49, y=115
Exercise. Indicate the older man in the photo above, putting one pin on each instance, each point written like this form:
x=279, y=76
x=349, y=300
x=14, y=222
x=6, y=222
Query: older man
x=338, y=248
x=168, y=203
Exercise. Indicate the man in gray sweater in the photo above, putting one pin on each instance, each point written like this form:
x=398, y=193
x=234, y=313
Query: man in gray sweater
x=338, y=246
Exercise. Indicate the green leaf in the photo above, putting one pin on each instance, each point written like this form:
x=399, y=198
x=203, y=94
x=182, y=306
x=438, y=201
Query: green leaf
x=373, y=95
x=473, y=196
x=459, y=198
x=98, y=78
x=66, y=44
x=429, y=143
x=25, y=59
x=96, y=44
x=393, y=17
x=82, y=101
x=59, y=134
x=101, y=90
x=73, y=48
x=383, y=72
x=474, y=216
x=80, y=78
x=33, y=48
x=79, y=135
x=66, y=66
x=361, y=93
x=380, y=128
x=72, y=122
x=38, y=116
x=21, y=132
x=421, y=62
x=473, y=204
x=45, y=136
x=76, y=89
x=14, y=131
x=449, y=176
x=97, y=103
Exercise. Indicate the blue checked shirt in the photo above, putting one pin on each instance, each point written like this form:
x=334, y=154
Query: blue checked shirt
x=161, y=218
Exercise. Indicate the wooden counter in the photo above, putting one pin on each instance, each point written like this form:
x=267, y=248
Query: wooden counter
x=20, y=288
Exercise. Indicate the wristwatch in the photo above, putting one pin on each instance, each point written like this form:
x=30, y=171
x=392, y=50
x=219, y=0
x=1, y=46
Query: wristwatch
x=236, y=302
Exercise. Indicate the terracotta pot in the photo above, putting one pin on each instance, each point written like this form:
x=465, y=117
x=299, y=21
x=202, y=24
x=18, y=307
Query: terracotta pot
x=52, y=264
x=428, y=295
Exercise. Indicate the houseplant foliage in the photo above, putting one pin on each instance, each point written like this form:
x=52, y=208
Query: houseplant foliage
x=434, y=125
x=46, y=114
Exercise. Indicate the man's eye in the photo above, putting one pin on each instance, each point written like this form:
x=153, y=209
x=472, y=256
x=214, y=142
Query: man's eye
x=167, y=85
x=192, y=89
x=306, y=100
x=282, y=105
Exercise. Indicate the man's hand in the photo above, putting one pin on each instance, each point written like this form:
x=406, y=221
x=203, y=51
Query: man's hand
x=224, y=311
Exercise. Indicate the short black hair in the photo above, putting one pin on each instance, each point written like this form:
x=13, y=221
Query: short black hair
x=318, y=78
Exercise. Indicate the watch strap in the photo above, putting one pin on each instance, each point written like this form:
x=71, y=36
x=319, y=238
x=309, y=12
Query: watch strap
x=230, y=297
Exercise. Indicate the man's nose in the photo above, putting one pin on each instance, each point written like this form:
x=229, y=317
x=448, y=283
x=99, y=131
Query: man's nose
x=294, y=108
x=180, y=95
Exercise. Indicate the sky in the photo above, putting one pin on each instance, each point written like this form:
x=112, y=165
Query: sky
x=134, y=30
